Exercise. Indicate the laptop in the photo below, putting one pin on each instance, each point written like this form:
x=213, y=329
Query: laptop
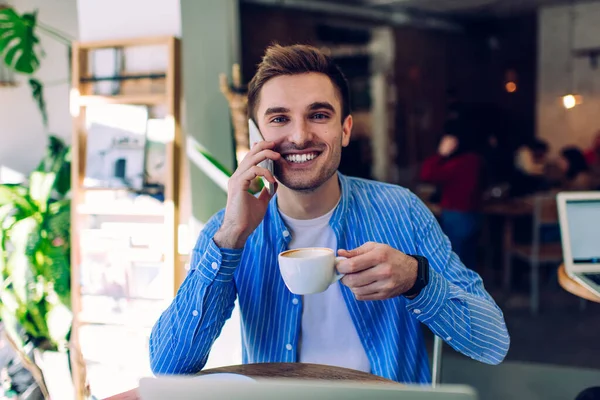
x=579, y=216
x=192, y=388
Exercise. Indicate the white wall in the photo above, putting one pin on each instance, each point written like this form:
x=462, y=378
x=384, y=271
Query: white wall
x=121, y=19
x=22, y=135
x=561, y=127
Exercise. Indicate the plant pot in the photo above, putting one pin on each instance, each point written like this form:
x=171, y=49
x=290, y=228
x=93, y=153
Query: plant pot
x=57, y=375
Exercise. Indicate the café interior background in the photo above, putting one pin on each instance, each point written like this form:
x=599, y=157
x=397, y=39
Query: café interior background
x=413, y=65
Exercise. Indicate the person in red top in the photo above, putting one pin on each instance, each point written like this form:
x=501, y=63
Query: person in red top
x=592, y=155
x=457, y=169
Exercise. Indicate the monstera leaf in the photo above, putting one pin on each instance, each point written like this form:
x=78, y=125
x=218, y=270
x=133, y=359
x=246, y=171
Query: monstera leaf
x=18, y=42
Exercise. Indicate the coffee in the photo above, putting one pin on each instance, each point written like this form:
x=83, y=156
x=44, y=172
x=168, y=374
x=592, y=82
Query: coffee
x=306, y=253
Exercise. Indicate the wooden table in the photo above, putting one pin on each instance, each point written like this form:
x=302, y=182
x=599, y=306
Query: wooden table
x=508, y=210
x=283, y=370
x=574, y=287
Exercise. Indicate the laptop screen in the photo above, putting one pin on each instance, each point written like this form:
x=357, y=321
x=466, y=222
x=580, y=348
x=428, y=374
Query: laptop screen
x=583, y=217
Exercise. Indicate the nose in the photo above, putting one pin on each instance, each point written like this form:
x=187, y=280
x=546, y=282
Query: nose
x=300, y=134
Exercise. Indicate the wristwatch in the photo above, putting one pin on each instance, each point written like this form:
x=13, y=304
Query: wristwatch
x=422, y=276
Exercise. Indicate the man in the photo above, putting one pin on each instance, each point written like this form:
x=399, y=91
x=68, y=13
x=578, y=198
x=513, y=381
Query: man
x=371, y=322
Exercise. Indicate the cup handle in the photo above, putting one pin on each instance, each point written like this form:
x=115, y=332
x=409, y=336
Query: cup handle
x=337, y=276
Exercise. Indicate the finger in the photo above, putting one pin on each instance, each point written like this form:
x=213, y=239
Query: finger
x=260, y=146
x=359, y=250
x=257, y=148
x=254, y=172
x=360, y=263
x=370, y=289
x=256, y=158
x=359, y=279
x=371, y=296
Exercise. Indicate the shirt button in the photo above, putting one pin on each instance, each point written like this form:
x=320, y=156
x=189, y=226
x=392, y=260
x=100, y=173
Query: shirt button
x=214, y=265
x=286, y=234
x=417, y=311
x=295, y=301
x=195, y=313
x=449, y=338
x=288, y=346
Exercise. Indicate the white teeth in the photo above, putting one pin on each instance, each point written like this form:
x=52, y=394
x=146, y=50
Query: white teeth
x=300, y=158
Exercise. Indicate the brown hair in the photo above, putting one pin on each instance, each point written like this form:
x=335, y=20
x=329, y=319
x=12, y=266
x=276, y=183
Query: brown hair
x=296, y=59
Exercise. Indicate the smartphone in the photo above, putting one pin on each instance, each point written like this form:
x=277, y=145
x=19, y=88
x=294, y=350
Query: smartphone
x=255, y=137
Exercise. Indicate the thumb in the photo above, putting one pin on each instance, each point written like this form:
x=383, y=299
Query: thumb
x=365, y=248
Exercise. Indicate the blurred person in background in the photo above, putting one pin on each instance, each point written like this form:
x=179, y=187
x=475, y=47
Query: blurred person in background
x=532, y=158
x=458, y=170
x=592, y=155
x=531, y=169
x=575, y=169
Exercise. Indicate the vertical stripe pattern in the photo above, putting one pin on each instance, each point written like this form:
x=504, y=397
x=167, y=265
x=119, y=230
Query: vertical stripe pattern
x=454, y=305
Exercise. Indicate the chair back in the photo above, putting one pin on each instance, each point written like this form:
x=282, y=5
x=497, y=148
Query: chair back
x=545, y=212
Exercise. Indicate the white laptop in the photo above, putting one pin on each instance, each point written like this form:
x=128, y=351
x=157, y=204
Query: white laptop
x=579, y=216
x=192, y=388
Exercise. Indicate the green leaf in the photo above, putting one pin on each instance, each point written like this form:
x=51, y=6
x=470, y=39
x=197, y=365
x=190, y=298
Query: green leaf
x=19, y=46
x=58, y=320
x=19, y=265
x=63, y=175
x=58, y=160
x=37, y=92
x=40, y=188
x=5, y=211
x=15, y=194
x=55, y=156
x=61, y=207
x=53, y=265
x=10, y=323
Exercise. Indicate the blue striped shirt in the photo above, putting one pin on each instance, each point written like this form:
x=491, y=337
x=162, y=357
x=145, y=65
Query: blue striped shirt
x=454, y=305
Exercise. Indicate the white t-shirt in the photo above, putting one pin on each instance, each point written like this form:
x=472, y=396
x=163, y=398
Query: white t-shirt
x=328, y=333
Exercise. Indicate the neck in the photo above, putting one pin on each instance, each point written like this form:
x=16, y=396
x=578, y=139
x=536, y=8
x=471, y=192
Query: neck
x=309, y=205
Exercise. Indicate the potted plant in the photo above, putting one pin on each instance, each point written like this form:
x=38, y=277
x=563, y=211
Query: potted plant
x=35, y=294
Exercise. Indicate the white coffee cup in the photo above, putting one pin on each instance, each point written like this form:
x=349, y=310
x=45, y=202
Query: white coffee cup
x=309, y=270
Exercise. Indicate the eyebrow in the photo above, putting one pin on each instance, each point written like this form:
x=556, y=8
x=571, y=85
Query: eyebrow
x=276, y=110
x=318, y=105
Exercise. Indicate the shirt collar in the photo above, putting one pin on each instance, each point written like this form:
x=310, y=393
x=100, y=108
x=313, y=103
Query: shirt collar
x=336, y=221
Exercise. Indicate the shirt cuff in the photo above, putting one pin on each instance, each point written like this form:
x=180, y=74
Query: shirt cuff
x=431, y=299
x=218, y=264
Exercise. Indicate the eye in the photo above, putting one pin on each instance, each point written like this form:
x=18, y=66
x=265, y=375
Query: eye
x=320, y=116
x=279, y=120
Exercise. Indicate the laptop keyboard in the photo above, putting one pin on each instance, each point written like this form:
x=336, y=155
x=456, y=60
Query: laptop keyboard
x=593, y=277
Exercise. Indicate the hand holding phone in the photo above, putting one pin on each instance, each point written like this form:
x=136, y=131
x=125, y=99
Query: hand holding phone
x=244, y=210
x=255, y=137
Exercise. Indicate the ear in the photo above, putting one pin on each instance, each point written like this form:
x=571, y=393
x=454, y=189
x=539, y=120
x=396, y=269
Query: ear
x=346, y=130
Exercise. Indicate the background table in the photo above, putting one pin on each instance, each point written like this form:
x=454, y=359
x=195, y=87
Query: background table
x=572, y=286
x=283, y=370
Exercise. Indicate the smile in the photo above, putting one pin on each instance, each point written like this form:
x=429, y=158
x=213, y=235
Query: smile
x=300, y=158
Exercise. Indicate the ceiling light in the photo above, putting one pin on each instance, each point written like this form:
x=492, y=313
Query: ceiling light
x=571, y=100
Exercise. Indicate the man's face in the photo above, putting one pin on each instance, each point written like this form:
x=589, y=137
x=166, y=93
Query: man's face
x=302, y=115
